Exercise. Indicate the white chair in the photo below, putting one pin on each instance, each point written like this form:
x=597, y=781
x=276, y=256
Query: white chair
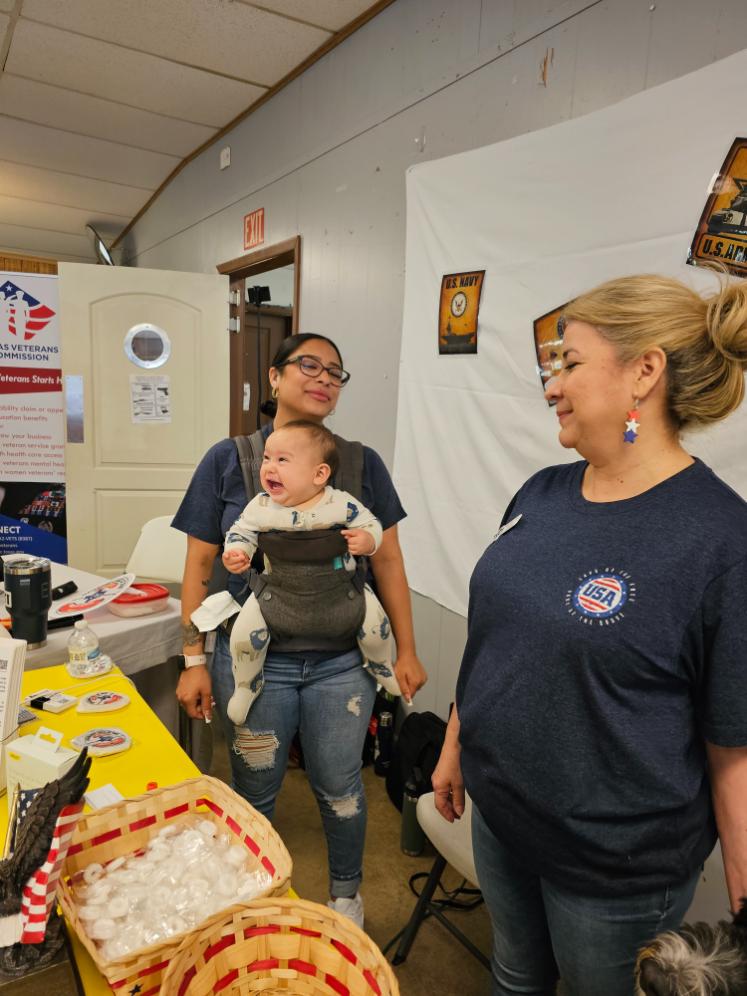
x=453, y=841
x=160, y=552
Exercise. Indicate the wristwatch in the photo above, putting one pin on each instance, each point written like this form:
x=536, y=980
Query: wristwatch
x=194, y=660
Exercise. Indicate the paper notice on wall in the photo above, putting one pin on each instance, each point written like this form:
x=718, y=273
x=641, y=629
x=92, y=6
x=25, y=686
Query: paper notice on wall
x=150, y=398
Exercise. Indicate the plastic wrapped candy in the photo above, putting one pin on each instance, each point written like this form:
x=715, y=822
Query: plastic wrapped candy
x=184, y=875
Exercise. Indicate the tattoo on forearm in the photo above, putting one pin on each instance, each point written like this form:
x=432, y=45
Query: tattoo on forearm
x=190, y=634
x=205, y=582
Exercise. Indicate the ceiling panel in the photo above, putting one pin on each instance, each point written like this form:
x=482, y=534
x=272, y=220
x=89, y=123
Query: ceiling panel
x=15, y=238
x=24, y=142
x=36, y=184
x=243, y=42
x=102, y=100
x=98, y=118
x=33, y=214
x=330, y=14
x=134, y=78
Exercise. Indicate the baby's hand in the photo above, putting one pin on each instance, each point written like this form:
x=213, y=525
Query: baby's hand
x=360, y=543
x=235, y=561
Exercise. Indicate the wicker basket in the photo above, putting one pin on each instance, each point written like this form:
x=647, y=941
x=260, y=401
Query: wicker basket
x=279, y=946
x=127, y=826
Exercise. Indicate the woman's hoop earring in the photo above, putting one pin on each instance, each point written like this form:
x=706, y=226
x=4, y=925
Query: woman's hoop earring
x=633, y=423
x=275, y=393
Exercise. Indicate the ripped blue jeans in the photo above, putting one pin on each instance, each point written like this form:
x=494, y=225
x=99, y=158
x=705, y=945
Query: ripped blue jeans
x=329, y=701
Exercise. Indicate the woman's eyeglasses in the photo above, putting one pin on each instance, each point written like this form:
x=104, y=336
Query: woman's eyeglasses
x=312, y=367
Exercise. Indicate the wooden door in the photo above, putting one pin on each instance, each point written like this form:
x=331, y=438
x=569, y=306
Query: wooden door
x=145, y=362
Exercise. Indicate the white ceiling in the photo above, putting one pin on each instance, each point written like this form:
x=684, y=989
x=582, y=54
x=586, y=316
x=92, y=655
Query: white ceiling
x=100, y=100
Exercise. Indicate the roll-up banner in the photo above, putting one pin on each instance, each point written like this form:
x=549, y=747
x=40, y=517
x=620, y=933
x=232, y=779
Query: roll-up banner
x=32, y=454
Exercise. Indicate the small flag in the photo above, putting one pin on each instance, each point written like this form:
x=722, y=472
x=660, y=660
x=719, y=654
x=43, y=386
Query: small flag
x=40, y=890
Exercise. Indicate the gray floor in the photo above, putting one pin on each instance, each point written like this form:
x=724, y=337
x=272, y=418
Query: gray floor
x=437, y=962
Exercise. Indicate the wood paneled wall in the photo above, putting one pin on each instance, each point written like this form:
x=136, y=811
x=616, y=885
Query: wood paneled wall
x=12, y=263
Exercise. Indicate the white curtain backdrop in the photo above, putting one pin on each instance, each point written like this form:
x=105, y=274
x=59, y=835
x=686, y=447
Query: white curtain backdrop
x=546, y=215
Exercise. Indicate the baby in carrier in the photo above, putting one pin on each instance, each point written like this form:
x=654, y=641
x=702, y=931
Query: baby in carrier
x=312, y=585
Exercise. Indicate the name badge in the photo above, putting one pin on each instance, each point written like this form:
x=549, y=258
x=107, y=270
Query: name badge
x=505, y=528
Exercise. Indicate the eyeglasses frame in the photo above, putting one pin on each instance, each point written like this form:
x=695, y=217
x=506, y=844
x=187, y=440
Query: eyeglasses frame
x=327, y=369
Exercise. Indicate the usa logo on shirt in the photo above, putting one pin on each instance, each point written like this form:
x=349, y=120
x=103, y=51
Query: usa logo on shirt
x=601, y=596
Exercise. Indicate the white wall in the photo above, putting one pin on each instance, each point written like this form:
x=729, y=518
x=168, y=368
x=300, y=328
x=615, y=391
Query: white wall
x=327, y=157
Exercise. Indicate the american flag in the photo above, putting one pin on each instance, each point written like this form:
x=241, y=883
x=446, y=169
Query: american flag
x=41, y=888
x=25, y=798
x=39, y=314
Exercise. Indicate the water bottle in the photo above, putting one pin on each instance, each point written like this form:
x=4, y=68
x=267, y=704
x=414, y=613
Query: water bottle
x=412, y=838
x=83, y=653
x=384, y=743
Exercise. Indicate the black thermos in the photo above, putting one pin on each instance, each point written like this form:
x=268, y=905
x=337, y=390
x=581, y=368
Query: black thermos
x=28, y=596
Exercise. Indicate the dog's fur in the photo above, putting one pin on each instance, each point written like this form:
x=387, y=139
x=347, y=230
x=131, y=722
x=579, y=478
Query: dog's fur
x=698, y=960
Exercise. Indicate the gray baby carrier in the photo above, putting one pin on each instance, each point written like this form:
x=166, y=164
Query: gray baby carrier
x=307, y=596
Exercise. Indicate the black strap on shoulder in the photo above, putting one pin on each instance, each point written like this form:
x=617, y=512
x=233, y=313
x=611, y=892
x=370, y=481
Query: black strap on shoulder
x=250, y=450
x=349, y=476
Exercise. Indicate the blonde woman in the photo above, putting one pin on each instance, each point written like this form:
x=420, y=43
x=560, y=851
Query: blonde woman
x=602, y=701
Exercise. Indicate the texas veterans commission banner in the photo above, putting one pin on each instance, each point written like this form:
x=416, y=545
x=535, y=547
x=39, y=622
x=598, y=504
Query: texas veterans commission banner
x=32, y=465
x=504, y=236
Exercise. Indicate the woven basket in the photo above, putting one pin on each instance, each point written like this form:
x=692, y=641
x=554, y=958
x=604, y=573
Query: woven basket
x=127, y=826
x=279, y=946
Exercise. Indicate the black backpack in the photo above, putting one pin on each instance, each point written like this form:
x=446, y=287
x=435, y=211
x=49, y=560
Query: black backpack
x=415, y=754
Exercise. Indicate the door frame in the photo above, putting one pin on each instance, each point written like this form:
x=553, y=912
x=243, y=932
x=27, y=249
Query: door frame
x=238, y=270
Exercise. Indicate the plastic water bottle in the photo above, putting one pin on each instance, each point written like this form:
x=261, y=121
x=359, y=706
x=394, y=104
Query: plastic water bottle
x=83, y=652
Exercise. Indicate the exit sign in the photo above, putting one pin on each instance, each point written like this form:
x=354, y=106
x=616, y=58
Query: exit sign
x=254, y=228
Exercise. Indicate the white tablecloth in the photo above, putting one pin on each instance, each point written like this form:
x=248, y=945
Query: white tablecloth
x=134, y=643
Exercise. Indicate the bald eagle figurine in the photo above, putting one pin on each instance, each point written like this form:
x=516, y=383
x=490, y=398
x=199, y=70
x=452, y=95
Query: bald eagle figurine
x=20, y=951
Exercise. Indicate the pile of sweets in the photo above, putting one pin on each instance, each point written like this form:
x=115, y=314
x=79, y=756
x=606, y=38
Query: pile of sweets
x=187, y=873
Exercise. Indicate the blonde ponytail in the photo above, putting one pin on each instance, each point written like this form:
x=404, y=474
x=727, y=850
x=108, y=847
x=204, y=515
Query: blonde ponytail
x=704, y=338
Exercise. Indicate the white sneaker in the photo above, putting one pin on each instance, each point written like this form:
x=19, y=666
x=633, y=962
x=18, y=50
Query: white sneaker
x=351, y=908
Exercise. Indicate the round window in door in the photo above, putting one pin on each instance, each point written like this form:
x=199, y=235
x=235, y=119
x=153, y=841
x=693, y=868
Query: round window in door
x=147, y=346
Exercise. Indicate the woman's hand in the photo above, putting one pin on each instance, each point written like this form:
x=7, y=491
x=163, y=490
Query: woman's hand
x=448, y=786
x=410, y=675
x=194, y=693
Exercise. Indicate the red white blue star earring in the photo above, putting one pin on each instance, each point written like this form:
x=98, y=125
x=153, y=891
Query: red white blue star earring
x=633, y=423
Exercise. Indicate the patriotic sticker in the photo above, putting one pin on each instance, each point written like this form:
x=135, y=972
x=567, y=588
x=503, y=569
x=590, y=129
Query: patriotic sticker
x=601, y=596
x=103, y=741
x=94, y=598
x=103, y=701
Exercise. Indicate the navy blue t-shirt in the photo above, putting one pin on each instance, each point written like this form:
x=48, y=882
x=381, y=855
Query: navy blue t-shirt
x=216, y=496
x=607, y=642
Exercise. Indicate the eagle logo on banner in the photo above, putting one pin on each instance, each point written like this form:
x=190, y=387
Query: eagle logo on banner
x=20, y=313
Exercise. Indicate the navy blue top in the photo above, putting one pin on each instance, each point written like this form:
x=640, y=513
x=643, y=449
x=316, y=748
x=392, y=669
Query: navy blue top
x=216, y=496
x=607, y=642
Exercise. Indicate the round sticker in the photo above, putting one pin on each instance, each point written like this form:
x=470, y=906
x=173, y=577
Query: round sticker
x=103, y=701
x=94, y=598
x=103, y=740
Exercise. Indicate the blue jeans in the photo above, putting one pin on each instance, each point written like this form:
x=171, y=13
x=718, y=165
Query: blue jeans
x=329, y=701
x=542, y=932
